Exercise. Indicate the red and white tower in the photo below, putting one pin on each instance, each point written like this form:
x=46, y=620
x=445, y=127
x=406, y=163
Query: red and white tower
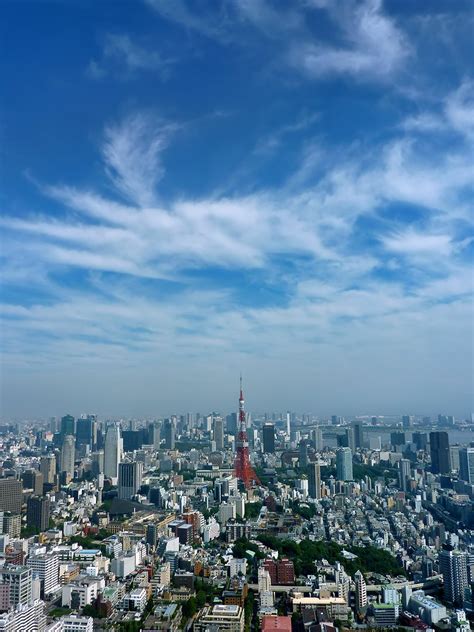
x=243, y=468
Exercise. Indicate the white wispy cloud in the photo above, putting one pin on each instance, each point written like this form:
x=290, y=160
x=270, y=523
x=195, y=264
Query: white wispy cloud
x=370, y=43
x=132, y=154
x=121, y=55
x=374, y=45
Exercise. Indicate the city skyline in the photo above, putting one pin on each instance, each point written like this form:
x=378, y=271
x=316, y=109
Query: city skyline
x=190, y=192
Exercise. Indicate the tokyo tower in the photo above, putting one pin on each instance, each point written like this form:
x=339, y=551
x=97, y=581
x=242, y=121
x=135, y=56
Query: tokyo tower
x=243, y=468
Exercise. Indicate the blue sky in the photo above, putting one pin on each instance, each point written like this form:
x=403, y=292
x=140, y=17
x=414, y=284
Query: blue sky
x=194, y=189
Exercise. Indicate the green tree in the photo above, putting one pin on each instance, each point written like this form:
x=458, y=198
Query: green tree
x=189, y=607
x=201, y=598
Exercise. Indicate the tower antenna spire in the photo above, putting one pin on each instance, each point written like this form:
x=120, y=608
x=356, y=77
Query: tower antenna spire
x=243, y=468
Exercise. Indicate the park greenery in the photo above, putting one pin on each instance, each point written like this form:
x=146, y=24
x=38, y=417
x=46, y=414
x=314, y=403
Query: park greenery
x=304, y=554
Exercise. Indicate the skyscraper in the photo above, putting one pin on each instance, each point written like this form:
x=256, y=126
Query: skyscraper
x=113, y=452
x=68, y=426
x=288, y=424
x=268, y=434
x=154, y=435
x=317, y=439
x=358, y=431
x=466, y=464
x=344, y=464
x=37, y=512
x=303, y=456
x=404, y=472
x=231, y=423
x=439, y=449
x=129, y=479
x=169, y=434
x=48, y=467
x=314, y=480
x=86, y=433
x=218, y=432
x=68, y=453
x=453, y=565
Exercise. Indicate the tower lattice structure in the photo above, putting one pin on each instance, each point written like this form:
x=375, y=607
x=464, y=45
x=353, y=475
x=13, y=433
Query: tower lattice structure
x=243, y=468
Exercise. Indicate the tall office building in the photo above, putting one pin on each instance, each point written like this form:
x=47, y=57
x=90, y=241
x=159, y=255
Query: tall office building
x=288, y=424
x=11, y=495
x=453, y=566
x=37, y=512
x=420, y=439
x=314, y=480
x=154, y=435
x=33, y=479
x=439, y=449
x=86, y=433
x=48, y=468
x=231, y=423
x=317, y=439
x=344, y=464
x=404, y=473
x=68, y=455
x=303, y=456
x=112, y=452
x=466, y=464
x=129, y=479
x=68, y=426
x=358, y=434
x=218, y=432
x=268, y=435
x=169, y=434
x=18, y=579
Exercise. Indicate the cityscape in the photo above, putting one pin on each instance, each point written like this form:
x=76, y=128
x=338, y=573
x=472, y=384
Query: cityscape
x=280, y=521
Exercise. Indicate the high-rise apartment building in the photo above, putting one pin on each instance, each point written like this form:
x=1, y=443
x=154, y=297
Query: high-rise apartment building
x=129, y=479
x=11, y=495
x=113, y=452
x=439, y=449
x=453, y=566
x=314, y=480
x=37, y=512
x=360, y=592
x=344, y=464
x=268, y=435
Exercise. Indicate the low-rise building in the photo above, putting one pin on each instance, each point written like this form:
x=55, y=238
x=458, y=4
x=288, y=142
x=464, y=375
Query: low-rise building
x=224, y=618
